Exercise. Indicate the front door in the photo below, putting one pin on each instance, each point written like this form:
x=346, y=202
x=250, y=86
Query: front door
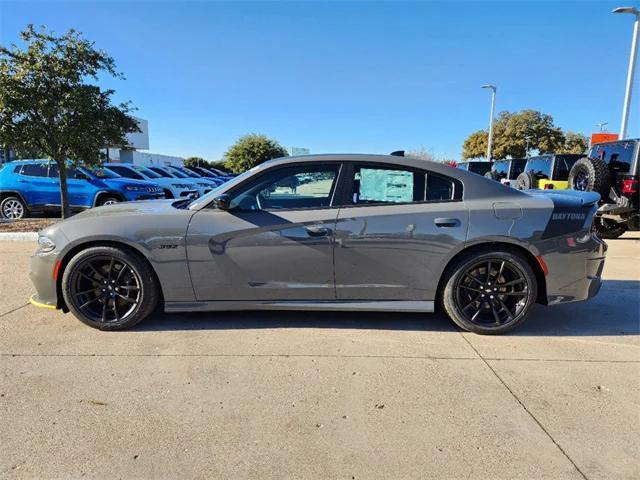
x=393, y=239
x=274, y=243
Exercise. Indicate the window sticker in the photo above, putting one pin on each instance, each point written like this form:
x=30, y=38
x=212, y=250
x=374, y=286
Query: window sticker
x=386, y=185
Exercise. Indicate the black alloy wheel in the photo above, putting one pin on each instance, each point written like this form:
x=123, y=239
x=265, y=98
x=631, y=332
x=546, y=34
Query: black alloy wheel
x=490, y=293
x=109, y=288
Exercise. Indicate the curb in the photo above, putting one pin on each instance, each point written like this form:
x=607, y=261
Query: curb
x=18, y=236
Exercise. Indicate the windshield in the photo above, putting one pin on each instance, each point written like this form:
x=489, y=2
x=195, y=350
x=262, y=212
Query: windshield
x=98, y=172
x=188, y=173
x=178, y=173
x=147, y=171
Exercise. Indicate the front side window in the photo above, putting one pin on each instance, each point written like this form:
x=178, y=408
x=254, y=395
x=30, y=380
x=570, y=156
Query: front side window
x=387, y=185
x=501, y=170
x=288, y=188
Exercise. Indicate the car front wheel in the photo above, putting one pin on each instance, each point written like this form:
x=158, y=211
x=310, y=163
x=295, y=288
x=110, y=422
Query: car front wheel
x=489, y=292
x=13, y=208
x=110, y=288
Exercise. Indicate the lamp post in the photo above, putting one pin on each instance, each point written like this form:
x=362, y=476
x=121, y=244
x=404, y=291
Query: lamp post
x=601, y=126
x=631, y=70
x=493, y=107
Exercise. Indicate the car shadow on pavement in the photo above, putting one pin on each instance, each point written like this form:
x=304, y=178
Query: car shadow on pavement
x=615, y=311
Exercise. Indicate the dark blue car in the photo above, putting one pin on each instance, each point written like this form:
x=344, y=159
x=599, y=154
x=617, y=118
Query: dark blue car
x=29, y=186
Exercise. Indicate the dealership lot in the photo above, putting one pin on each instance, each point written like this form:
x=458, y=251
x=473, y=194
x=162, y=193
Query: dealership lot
x=322, y=395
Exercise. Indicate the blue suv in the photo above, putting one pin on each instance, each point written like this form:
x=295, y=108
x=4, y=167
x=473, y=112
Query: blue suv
x=28, y=186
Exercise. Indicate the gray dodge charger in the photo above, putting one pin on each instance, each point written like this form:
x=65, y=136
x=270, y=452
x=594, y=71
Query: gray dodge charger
x=328, y=232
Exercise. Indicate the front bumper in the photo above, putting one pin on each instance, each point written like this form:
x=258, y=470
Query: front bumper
x=41, y=274
x=575, y=268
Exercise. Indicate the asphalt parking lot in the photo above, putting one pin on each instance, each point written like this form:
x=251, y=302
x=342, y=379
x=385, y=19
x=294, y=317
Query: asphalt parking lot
x=322, y=395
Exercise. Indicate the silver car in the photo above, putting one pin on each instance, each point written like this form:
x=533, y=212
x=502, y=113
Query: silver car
x=328, y=232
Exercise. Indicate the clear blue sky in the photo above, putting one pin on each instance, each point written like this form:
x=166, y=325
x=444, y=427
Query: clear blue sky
x=352, y=76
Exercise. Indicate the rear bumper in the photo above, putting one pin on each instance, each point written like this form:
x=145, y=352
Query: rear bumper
x=575, y=268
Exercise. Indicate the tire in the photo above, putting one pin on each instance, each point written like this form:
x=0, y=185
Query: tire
x=106, y=297
x=500, y=313
x=13, y=208
x=525, y=181
x=608, y=229
x=590, y=175
x=490, y=174
x=108, y=200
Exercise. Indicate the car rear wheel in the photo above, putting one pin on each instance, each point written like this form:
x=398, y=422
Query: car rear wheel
x=489, y=292
x=110, y=288
x=608, y=229
x=13, y=208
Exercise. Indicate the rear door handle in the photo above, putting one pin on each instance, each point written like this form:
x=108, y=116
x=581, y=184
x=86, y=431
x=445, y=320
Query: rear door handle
x=317, y=231
x=447, y=222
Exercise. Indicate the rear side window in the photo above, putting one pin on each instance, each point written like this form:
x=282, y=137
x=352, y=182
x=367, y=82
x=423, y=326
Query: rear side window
x=501, y=169
x=35, y=170
x=563, y=166
x=540, y=167
x=387, y=185
x=438, y=188
x=517, y=167
x=126, y=172
x=480, y=167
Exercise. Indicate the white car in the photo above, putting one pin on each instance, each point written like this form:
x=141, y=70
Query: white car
x=173, y=187
x=202, y=186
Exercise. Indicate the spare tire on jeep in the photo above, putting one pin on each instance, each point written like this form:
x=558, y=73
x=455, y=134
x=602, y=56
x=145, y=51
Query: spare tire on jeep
x=525, y=181
x=590, y=175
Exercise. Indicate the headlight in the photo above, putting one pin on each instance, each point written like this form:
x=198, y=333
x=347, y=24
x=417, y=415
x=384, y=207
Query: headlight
x=45, y=244
x=134, y=188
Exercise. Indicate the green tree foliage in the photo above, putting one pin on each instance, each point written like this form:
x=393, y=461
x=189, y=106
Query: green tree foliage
x=195, y=162
x=48, y=105
x=575, y=143
x=516, y=135
x=251, y=150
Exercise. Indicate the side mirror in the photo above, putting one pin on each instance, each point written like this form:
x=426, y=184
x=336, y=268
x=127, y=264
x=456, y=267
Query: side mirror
x=223, y=202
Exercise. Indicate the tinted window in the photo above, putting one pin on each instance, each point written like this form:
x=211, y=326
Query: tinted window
x=126, y=172
x=161, y=172
x=540, y=167
x=501, y=169
x=619, y=156
x=517, y=167
x=563, y=165
x=387, y=185
x=146, y=171
x=177, y=173
x=100, y=172
x=35, y=170
x=463, y=166
x=479, y=167
x=439, y=188
x=289, y=188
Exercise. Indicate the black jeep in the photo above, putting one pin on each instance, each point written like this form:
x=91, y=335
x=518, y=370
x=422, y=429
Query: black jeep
x=481, y=167
x=506, y=171
x=611, y=169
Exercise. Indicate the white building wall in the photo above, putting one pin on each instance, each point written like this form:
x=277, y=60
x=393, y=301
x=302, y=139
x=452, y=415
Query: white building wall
x=145, y=158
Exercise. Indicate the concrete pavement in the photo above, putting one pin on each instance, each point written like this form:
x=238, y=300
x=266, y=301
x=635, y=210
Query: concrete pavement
x=322, y=395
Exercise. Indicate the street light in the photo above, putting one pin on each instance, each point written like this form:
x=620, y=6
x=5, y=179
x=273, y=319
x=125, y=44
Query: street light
x=632, y=67
x=601, y=126
x=493, y=107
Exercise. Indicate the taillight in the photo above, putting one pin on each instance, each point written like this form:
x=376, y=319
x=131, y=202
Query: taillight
x=548, y=186
x=630, y=186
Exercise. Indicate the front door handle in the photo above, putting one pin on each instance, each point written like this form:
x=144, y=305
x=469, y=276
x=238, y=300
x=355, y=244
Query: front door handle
x=447, y=222
x=317, y=231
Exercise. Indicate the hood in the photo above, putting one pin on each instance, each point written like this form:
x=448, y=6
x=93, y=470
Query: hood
x=145, y=207
x=127, y=181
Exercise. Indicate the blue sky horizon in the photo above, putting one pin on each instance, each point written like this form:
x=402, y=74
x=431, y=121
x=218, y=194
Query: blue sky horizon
x=367, y=77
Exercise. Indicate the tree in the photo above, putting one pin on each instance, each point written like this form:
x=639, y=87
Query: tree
x=515, y=135
x=195, y=162
x=48, y=105
x=574, y=143
x=421, y=154
x=251, y=150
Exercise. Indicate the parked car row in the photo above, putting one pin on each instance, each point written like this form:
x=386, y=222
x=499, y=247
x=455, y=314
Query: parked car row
x=29, y=187
x=610, y=169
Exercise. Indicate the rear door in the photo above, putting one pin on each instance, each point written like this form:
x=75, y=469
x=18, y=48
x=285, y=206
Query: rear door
x=396, y=231
x=274, y=243
x=36, y=186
